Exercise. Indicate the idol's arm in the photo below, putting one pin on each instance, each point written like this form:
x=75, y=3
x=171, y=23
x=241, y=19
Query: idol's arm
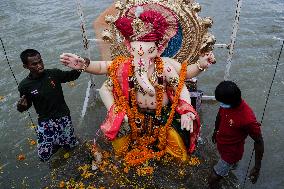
x=187, y=116
x=194, y=70
x=98, y=67
x=106, y=94
x=84, y=64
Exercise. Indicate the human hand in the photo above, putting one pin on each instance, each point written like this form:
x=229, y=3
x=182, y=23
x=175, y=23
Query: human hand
x=23, y=101
x=72, y=61
x=187, y=121
x=206, y=60
x=254, y=174
x=22, y=104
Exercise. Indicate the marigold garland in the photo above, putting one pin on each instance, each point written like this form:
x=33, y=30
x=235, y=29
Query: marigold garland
x=163, y=134
x=121, y=101
x=160, y=87
x=140, y=152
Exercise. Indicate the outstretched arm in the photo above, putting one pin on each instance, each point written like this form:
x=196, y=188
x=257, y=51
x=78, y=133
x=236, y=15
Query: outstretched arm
x=76, y=62
x=204, y=62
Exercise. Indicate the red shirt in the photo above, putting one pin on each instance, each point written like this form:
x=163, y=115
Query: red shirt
x=235, y=124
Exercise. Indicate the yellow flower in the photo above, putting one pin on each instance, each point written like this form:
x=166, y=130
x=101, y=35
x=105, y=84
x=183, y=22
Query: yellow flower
x=32, y=125
x=71, y=84
x=2, y=98
x=66, y=155
x=80, y=185
x=194, y=161
x=86, y=173
x=181, y=173
x=148, y=170
x=83, y=168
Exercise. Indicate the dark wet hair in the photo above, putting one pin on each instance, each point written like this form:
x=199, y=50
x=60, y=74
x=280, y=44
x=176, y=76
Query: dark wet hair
x=28, y=53
x=228, y=92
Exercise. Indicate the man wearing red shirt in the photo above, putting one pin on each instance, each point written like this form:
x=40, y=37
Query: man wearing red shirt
x=234, y=122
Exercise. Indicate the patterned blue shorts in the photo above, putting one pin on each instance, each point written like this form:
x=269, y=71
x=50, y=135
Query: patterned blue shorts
x=54, y=133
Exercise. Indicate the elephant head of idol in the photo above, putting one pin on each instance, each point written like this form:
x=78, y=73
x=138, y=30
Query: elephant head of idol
x=147, y=31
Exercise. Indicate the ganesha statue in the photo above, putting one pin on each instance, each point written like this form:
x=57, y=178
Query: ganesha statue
x=156, y=46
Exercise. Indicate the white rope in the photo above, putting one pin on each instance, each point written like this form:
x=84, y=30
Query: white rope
x=221, y=45
x=83, y=28
x=91, y=83
x=95, y=40
x=85, y=105
x=277, y=38
x=233, y=39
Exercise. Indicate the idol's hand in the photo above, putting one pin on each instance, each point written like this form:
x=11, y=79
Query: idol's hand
x=72, y=61
x=206, y=60
x=187, y=121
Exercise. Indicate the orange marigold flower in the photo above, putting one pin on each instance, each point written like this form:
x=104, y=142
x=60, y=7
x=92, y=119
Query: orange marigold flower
x=21, y=157
x=32, y=142
x=126, y=169
x=62, y=184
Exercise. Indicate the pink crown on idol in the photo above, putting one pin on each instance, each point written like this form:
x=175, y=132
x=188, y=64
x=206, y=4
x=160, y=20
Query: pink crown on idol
x=148, y=22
